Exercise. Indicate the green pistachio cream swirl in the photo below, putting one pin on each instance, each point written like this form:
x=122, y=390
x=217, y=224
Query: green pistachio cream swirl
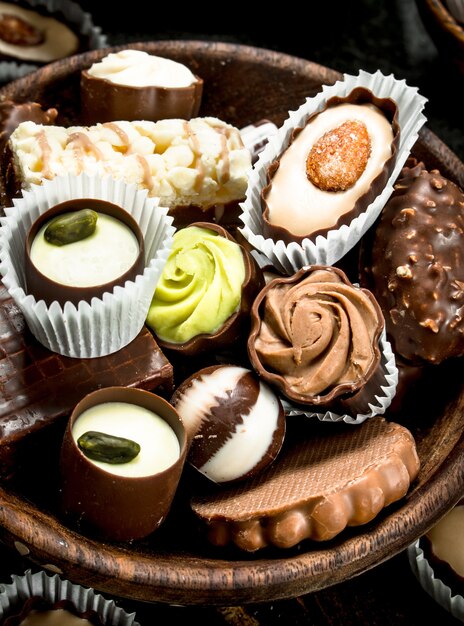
x=200, y=286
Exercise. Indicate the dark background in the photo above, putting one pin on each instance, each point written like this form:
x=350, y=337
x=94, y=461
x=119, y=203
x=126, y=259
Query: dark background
x=346, y=36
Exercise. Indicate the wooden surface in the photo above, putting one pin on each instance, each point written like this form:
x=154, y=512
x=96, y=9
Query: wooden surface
x=176, y=566
x=446, y=31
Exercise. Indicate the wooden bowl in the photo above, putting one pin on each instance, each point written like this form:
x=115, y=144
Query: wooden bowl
x=242, y=85
x=446, y=32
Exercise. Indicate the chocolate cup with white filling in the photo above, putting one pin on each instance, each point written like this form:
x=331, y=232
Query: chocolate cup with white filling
x=238, y=323
x=360, y=96
x=105, y=101
x=118, y=508
x=44, y=288
x=352, y=396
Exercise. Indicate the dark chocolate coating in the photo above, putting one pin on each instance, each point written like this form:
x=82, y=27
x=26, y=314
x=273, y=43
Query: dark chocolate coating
x=43, y=288
x=415, y=267
x=105, y=101
x=118, y=508
x=40, y=388
x=236, y=326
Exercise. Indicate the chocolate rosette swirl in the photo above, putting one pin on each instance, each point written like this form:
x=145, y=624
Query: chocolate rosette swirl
x=315, y=336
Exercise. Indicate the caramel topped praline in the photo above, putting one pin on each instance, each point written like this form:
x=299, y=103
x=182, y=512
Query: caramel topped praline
x=333, y=168
x=315, y=336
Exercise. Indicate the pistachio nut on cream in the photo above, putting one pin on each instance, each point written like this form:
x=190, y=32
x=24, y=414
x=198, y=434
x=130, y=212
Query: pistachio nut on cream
x=318, y=333
x=200, y=287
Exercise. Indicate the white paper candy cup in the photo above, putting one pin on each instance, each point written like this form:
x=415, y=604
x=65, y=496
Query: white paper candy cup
x=440, y=592
x=381, y=400
x=330, y=249
x=54, y=589
x=80, y=21
x=106, y=324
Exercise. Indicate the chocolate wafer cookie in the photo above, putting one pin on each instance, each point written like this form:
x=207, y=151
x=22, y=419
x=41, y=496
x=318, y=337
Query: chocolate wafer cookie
x=317, y=487
x=38, y=386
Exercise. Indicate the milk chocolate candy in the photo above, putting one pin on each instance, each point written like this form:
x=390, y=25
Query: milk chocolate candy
x=315, y=336
x=321, y=482
x=414, y=264
x=39, y=388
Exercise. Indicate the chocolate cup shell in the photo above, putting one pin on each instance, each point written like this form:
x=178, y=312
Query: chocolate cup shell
x=105, y=101
x=360, y=95
x=43, y=288
x=235, y=325
x=118, y=508
x=345, y=396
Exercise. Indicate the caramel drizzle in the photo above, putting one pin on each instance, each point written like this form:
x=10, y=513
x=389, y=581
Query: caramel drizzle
x=81, y=144
x=198, y=164
x=46, y=154
x=123, y=136
x=147, y=178
x=225, y=134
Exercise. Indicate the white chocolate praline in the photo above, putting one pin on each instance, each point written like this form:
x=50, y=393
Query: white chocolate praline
x=294, y=202
x=58, y=617
x=201, y=161
x=96, y=260
x=248, y=437
x=159, y=444
x=58, y=40
x=136, y=68
x=446, y=539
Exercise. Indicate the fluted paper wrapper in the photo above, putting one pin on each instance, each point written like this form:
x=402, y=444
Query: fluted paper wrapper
x=327, y=250
x=54, y=589
x=440, y=592
x=80, y=21
x=381, y=399
x=106, y=324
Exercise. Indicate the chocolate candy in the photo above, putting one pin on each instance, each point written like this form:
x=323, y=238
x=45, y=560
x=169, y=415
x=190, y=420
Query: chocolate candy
x=235, y=422
x=415, y=266
x=320, y=483
x=39, y=387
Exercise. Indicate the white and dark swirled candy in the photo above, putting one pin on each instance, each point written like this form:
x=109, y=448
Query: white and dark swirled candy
x=234, y=421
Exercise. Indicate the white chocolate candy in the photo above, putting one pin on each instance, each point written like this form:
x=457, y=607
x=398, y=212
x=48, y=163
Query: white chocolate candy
x=294, y=202
x=58, y=40
x=236, y=422
x=446, y=539
x=158, y=442
x=96, y=260
x=201, y=161
x=136, y=68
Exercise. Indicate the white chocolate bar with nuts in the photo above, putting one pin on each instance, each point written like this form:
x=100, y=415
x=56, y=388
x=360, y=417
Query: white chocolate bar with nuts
x=200, y=162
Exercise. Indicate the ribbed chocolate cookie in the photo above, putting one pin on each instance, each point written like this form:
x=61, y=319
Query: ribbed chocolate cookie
x=315, y=488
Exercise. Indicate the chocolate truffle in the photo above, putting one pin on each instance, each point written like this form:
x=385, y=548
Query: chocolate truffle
x=79, y=249
x=234, y=421
x=414, y=264
x=135, y=85
x=203, y=298
x=333, y=168
x=320, y=483
x=315, y=336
